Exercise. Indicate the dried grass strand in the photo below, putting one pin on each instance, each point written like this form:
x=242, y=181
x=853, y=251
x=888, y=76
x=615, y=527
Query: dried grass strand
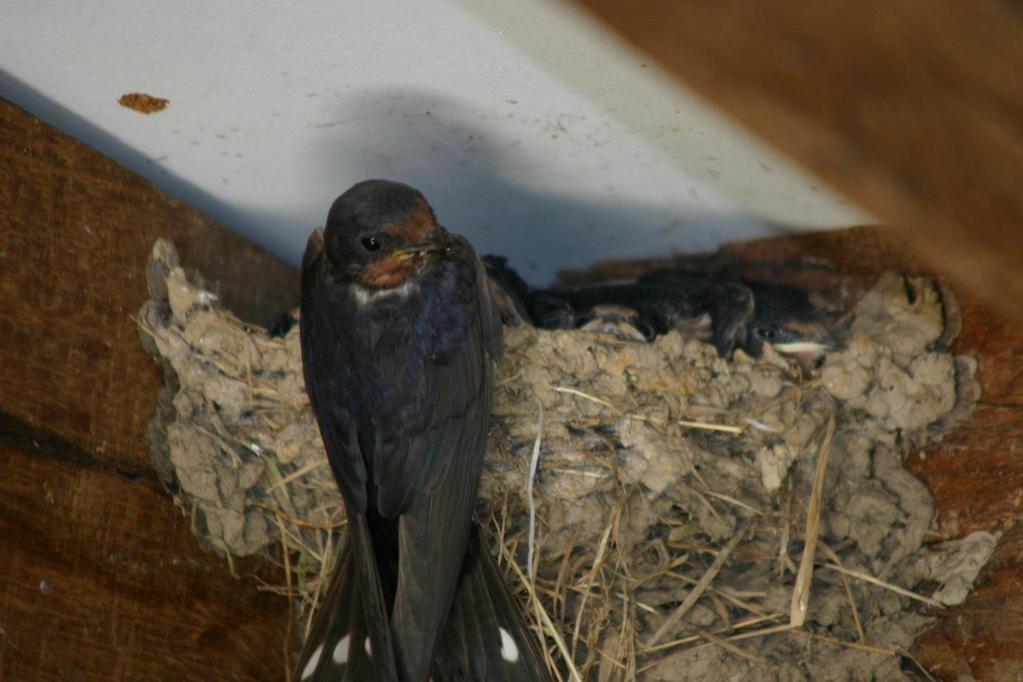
x=548, y=624
x=804, y=576
x=533, y=463
x=733, y=648
x=866, y=577
x=701, y=586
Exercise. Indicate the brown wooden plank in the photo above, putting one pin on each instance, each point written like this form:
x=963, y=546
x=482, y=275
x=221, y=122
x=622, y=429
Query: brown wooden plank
x=914, y=109
x=100, y=576
x=101, y=579
x=75, y=232
x=981, y=638
x=976, y=474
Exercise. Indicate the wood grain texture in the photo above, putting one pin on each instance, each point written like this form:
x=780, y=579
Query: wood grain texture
x=981, y=638
x=912, y=108
x=76, y=230
x=100, y=576
x=101, y=579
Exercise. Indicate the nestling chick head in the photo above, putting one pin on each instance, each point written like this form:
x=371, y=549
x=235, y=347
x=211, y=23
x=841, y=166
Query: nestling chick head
x=379, y=233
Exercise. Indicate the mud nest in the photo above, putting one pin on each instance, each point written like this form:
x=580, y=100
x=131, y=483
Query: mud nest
x=664, y=514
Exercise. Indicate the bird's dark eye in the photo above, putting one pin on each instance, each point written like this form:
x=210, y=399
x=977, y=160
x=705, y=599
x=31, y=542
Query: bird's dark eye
x=765, y=333
x=370, y=242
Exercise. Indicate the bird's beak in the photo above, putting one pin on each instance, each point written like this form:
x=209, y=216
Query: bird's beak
x=793, y=347
x=434, y=244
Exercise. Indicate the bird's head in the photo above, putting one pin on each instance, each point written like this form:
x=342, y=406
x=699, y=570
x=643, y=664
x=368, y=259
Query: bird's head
x=379, y=233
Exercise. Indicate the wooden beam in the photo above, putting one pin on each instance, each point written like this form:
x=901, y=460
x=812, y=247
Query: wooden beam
x=76, y=230
x=102, y=579
x=100, y=575
x=912, y=108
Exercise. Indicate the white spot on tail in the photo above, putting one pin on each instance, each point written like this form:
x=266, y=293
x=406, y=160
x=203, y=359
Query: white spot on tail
x=341, y=650
x=368, y=647
x=314, y=661
x=509, y=651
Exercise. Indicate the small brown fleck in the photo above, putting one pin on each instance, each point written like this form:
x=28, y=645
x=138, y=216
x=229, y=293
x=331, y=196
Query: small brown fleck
x=143, y=103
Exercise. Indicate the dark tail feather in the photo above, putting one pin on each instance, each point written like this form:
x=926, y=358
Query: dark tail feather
x=486, y=637
x=340, y=646
x=335, y=626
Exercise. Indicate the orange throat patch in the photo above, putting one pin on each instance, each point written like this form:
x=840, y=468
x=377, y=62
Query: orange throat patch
x=392, y=271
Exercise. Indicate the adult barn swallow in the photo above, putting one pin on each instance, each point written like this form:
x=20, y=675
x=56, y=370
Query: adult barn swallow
x=399, y=337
